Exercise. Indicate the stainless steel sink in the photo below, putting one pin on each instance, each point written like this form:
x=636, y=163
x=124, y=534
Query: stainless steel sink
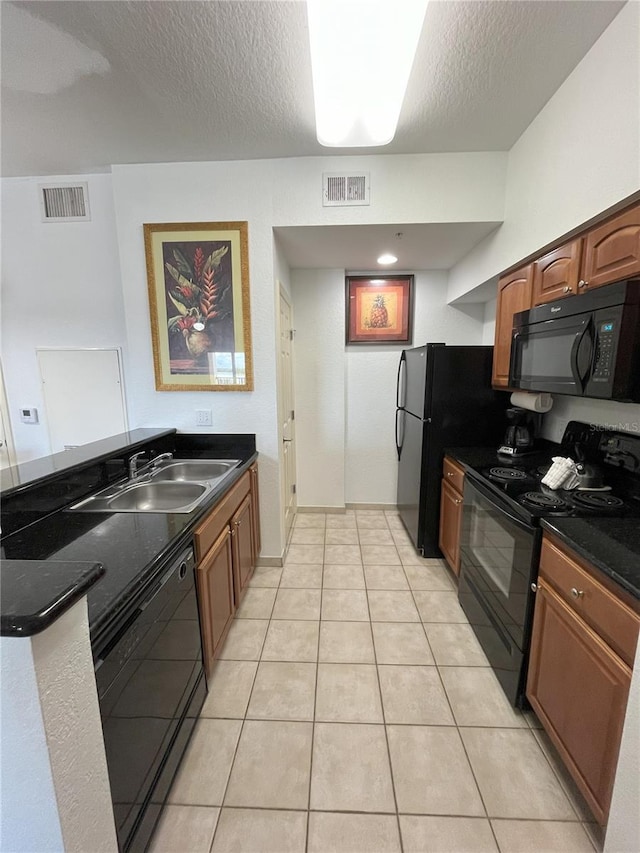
x=194, y=470
x=174, y=486
x=159, y=497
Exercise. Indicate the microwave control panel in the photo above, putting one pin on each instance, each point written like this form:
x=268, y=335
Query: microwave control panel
x=605, y=350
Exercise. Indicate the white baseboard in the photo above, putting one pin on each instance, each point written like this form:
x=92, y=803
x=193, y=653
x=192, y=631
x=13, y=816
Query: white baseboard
x=270, y=562
x=381, y=507
x=334, y=510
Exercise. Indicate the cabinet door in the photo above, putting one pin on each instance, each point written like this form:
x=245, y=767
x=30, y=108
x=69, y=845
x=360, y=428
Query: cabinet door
x=215, y=594
x=255, y=511
x=450, y=525
x=579, y=688
x=612, y=250
x=556, y=274
x=243, y=548
x=514, y=294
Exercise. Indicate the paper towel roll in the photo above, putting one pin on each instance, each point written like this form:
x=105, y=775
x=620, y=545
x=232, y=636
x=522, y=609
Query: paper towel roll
x=532, y=402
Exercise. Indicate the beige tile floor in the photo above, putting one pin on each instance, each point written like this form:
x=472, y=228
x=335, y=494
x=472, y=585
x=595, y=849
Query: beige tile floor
x=353, y=710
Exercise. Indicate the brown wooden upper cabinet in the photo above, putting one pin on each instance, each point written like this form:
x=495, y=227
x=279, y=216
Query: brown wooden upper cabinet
x=612, y=250
x=556, y=274
x=514, y=294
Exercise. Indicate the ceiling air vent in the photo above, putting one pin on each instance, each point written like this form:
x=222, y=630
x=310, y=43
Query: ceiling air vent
x=64, y=202
x=343, y=190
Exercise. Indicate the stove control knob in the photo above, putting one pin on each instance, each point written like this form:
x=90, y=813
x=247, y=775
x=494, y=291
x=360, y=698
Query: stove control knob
x=577, y=593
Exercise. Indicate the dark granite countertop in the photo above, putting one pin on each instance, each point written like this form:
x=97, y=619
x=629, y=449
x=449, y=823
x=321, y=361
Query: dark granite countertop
x=36, y=592
x=132, y=547
x=477, y=458
x=38, y=470
x=610, y=544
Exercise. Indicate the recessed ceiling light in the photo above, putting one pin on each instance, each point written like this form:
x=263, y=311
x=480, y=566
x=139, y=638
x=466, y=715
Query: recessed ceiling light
x=361, y=56
x=387, y=258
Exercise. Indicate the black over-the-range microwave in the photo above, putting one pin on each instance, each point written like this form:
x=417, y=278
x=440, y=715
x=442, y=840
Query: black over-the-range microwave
x=586, y=345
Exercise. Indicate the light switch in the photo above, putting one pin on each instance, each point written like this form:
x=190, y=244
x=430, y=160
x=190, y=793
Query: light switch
x=203, y=417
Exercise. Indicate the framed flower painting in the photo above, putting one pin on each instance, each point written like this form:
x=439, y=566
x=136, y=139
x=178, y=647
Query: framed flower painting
x=379, y=309
x=198, y=278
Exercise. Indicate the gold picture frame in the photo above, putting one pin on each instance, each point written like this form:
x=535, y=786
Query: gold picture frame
x=198, y=279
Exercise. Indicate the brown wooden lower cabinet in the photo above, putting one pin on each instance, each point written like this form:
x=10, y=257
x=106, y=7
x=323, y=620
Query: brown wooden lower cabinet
x=242, y=547
x=577, y=684
x=215, y=595
x=226, y=556
x=451, y=502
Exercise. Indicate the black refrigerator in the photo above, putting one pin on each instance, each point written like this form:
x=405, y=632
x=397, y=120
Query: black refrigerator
x=443, y=399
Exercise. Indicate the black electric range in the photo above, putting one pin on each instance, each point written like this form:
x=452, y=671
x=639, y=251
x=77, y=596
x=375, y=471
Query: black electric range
x=504, y=503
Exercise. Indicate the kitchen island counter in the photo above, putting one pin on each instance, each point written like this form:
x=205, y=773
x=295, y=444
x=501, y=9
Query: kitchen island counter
x=132, y=547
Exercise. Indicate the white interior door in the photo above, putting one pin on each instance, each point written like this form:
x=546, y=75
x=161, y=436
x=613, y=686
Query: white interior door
x=83, y=397
x=286, y=412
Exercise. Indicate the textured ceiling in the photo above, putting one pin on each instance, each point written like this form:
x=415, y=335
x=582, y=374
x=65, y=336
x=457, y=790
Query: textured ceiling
x=89, y=83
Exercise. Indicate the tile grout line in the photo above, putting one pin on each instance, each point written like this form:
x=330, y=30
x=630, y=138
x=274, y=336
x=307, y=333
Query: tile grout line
x=384, y=718
x=453, y=716
x=244, y=719
x=315, y=692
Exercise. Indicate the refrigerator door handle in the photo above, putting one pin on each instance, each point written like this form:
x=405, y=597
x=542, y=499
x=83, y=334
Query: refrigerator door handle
x=399, y=437
x=400, y=386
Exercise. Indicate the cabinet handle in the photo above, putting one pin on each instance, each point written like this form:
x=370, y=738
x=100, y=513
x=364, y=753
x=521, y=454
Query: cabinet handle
x=233, y=532
x=534, y=587
x=582, y=283
x=458, y=500
x=567, y=289
x=450, y=473
x=577, y=593
x=238, y=523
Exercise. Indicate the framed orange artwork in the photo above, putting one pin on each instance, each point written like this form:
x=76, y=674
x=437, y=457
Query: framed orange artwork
x=379, y=309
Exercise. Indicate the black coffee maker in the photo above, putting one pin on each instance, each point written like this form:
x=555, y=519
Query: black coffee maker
x=519, y=438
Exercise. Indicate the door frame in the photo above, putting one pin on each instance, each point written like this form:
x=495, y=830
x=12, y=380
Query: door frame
x=283, y=295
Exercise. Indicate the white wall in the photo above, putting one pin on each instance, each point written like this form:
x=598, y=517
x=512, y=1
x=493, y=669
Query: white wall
x=619, y=416
x=55, y=785
x=578, y=157
x=24, y=828
x=489, y=322
x=319, y=310
x=271, y=193
x=60, y=288
x=623, y=833
x=345, y=395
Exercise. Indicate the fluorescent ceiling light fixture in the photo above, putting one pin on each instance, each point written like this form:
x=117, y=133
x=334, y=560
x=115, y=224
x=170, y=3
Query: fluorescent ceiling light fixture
x=387, y=258
x=361, y=56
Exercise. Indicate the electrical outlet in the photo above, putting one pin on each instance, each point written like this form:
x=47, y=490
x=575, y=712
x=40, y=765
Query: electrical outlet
x=203, y=417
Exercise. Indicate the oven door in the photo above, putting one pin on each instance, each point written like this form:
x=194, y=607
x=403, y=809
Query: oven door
x=553, y=355
x=498, y=563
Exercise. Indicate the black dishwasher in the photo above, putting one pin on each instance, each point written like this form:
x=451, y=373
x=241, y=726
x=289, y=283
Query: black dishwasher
x=151, y=687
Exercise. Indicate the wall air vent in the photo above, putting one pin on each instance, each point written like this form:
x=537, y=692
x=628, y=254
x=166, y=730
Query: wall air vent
x=64, y=202
x=344, y=190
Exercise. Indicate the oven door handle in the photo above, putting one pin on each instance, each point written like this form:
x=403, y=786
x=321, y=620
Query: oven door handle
x=497, y=502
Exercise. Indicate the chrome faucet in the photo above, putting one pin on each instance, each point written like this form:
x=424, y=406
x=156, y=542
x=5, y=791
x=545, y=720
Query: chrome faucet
x=162, y=457
x=133, y=464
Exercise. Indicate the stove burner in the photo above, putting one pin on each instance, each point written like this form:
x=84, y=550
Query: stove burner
x=505, y=475
x=597, y=501
x=542, y=500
